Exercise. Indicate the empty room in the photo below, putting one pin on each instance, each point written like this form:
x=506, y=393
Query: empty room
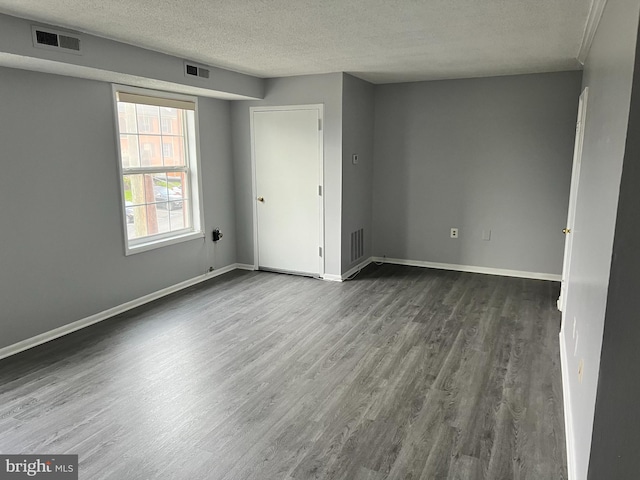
x=319, y=240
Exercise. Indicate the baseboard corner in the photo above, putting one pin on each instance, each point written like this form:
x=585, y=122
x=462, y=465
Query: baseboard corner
x=356, y=269
x=245, y=266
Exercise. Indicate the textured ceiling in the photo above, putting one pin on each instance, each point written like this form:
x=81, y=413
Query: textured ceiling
x=378, y=40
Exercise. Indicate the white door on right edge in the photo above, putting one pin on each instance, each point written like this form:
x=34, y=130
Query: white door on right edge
x=573, y=195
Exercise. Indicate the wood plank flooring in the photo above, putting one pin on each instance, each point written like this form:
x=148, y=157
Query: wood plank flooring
x=401, y=373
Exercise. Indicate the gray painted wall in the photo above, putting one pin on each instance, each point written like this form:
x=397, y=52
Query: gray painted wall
x=112, y=61
x=488, y=153
x=62, y=256
x=357, y=180
x=616, y=437
x=303, y=90
x=608, y=73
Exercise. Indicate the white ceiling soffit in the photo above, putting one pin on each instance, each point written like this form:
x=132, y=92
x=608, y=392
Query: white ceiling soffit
x=381, y=41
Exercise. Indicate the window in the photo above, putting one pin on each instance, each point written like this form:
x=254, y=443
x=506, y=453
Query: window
x=158, y=167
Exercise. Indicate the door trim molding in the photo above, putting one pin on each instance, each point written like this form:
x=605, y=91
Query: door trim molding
x=254, y=193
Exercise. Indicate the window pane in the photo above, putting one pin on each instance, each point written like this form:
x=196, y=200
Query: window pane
x=164, y=191
x=136, y=222
x=173, y=151
x=157, y=218
x=167, y=151
x=129, y=149
x=127, y=118
x=138, y=191
x=181, y=218
x=134, y=191
x=176, y=183
x=160, y=191
x=171, y=119
x=148, y=119
x=150, y=151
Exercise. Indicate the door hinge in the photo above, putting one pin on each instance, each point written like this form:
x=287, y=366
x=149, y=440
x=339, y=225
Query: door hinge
x=319, y=124
x=320, y=251
x=320, y=190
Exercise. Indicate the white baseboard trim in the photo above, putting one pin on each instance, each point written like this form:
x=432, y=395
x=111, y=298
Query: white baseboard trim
x=357, y=268
x=470, y=269
x=341, y=278
x=104, y=315
x=111, y=312
x=568, y=416
x=332, y=278
x=246, y=266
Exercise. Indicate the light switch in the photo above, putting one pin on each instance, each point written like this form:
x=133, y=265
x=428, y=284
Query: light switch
x=354, y=158
x=486, y=235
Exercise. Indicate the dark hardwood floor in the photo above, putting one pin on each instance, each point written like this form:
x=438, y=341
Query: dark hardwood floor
x=401, y=373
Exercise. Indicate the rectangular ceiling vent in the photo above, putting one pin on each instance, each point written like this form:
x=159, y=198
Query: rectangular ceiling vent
x=55, y=40
x=193, y=70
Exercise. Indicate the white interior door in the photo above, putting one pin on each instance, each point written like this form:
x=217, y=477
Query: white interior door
x=573, y=195
x=287, y=155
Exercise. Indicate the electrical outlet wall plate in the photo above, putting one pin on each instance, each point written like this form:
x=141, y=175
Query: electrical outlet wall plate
x=454, y=233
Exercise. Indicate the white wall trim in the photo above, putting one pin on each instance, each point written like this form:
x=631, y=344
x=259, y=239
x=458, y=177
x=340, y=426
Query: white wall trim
x=568, y=416
x=106, y=314
x=341, y=278
x=471, y=269
x=111, y=312
x=593, y=20
x=332, y=278
x=357, y=268
x=245, y=266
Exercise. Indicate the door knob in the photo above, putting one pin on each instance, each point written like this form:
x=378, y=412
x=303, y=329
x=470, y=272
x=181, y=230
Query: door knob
x=261, y=199
x=566, y=230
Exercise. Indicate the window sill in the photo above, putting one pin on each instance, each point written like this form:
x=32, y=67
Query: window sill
x=145, y=247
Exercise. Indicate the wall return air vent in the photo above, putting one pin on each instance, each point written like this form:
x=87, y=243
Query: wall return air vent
x=55, y=40
x=193, y=70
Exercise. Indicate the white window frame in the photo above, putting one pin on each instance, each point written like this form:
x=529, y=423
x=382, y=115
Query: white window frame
x=195, y=178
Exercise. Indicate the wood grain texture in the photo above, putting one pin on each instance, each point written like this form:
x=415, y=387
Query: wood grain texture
x=401, y=373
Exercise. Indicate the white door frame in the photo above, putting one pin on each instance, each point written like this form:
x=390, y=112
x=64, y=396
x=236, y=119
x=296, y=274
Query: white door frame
x=573, y=195
x=320, y=108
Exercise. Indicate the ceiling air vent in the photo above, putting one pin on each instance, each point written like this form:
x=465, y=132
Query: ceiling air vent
x=54, y=40
x=192, y=70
